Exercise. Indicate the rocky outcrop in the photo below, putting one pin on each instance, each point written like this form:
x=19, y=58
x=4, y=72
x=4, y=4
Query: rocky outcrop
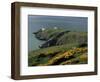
x=61, y=47
x=60, y=37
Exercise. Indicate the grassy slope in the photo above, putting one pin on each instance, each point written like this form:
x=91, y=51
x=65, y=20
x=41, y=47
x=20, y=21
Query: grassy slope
x=47, y=34
x=65, y=51
x=73, y=37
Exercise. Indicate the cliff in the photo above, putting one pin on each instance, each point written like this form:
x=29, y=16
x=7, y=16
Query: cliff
x=61, y=47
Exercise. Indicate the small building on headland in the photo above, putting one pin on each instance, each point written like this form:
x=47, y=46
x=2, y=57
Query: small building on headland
x=55, y=27
x=42, y=29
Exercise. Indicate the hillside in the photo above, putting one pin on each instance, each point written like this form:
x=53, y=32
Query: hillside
x=61, y=47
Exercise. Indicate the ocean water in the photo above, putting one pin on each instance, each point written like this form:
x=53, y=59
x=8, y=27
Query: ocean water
x=36, y=22
x=34, y=43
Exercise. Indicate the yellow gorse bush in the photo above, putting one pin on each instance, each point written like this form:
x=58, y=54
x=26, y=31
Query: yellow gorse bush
x=66, y=55
x=81, y=58
x=74, y=51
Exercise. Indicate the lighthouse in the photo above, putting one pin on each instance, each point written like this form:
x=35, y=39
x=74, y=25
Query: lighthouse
x=43, y=29
x=55, y=27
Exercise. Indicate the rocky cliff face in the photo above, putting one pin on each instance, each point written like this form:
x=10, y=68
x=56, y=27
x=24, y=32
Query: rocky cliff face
x=55, y=37
x=61, y=47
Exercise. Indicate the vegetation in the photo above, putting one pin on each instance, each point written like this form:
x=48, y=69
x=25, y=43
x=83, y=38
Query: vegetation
x=61, y=47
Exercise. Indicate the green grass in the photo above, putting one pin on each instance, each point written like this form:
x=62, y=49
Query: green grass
x=81, y=59
x=73, y=37
x=48, y=33
x=68, y=48
x=42, y=56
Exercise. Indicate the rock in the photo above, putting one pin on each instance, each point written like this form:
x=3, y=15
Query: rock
x=54, y=37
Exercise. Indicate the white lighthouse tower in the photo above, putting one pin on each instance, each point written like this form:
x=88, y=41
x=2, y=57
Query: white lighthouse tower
x=55, y=27
x=43, y=29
